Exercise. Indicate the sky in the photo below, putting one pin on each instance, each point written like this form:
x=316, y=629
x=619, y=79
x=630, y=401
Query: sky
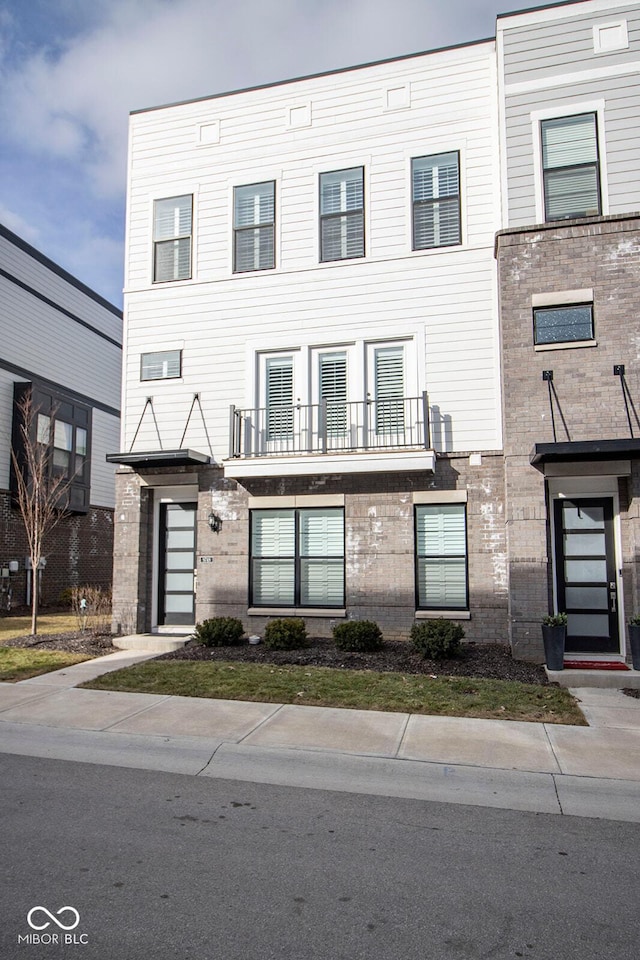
x=72, y=70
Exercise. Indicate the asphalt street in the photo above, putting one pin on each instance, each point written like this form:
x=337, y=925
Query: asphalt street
x=161, y=865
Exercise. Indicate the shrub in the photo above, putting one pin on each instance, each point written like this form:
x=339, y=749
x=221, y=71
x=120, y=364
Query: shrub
x=66, y=598
x=92, y=609
x=358, y=635
x=219, y=632
x=285, y=633
x=437, y=639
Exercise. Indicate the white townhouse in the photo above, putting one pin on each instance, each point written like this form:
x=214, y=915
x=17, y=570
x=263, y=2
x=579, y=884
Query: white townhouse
x=61, y=346
x=311, y=376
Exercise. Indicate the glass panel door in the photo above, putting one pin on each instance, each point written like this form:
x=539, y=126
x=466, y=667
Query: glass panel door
x=586, y=574
x=176, y=593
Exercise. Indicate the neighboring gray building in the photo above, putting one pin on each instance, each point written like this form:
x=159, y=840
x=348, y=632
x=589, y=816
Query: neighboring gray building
x=60, y=343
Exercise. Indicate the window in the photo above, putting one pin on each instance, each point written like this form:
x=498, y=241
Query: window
x=297, y=557
x=435, y=187
x=562, y=324
x=342, y=214
x=63, y=428
x=254, y=227
x=164, y=365
x=332, y=383
x=172, y=239
x=441, y=557
x=389, y=389
x=570, y=167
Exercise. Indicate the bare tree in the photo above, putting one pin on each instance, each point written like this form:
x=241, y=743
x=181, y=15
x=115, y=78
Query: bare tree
x=41, y=493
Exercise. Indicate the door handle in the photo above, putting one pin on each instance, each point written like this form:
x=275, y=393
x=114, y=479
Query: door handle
x=613, y=601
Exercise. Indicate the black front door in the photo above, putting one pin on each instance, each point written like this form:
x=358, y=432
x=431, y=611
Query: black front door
x=176, y=589
x=586, y=573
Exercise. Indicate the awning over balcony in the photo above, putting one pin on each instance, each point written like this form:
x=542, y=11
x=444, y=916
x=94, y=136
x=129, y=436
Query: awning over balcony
x=581, y=450
x=160, y=458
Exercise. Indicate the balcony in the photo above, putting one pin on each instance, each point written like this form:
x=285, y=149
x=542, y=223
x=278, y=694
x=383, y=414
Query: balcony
x=330, y=437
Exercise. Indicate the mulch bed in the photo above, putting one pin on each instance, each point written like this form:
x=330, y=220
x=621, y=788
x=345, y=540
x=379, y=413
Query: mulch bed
x=491, y=661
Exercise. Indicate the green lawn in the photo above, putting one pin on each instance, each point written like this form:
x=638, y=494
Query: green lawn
x=17, y=663
x=356, y=689
x=12, y=627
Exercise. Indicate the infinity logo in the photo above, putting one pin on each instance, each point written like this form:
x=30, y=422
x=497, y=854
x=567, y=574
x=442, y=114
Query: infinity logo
x=58, y=923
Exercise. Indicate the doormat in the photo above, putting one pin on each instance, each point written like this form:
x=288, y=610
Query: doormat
x=594, y=665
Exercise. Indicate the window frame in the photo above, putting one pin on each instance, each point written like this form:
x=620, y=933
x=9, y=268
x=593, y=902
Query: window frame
x=346, y=214
x=592, y=164
x=160, y=353
x=157, y=243
x=297, y=559
x=561, y=307
x=238, y=230
x=416, y=204
x=448, y=607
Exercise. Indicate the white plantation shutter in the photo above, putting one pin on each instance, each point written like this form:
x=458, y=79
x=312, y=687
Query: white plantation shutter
x=279, y=377
x=321, y=557
x=273, y=542
x=342, y=214
x=436, y=201
x=172, y=239
x=333, y=390
x=441, y=556
x=570, y=164
x=254, y=227
x=389, y=389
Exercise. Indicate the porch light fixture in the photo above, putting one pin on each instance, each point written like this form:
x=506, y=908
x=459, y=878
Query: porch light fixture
x=215, y=522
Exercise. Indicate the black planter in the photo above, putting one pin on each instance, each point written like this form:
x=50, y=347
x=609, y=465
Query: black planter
x=634, y=643
x=553, y=639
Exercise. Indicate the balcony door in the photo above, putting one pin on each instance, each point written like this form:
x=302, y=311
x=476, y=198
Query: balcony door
x=585, y=572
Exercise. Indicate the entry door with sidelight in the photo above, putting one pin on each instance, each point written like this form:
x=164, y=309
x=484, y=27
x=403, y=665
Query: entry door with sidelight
x=586, y=573
x=177, y=542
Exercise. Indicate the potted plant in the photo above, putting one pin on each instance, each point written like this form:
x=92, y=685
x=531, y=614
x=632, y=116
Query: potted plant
x=634, y=640
x=554, y=633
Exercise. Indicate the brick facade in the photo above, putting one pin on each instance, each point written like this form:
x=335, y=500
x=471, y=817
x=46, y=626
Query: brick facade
x=78, y=551
x=601, y=254
x=379, y=548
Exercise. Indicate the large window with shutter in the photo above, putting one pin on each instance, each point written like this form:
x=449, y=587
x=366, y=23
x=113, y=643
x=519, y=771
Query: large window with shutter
x=441, y=556
x=342, y=214
x=297, y=557
x=279, y=397
x=570, y=167
x=254, y=227
x=172, y=239
x=435, y=186
x=333, y=391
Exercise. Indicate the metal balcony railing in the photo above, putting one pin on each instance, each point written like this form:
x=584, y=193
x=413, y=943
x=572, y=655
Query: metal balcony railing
x=328, y=427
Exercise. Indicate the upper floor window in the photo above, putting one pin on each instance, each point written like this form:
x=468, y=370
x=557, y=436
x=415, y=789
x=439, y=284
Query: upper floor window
x=342, y=214
x=172, y=239
x=163, y=365
x=254, y=227
x=563, y=324
x=441, y=556
x=61, y=429
x=570, y=167
x=435, y=188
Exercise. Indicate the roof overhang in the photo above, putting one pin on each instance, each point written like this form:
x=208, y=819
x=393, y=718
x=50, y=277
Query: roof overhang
x=160, y=458
x=580, y=450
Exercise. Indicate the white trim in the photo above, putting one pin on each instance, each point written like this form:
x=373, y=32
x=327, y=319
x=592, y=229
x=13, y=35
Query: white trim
x=307, y=466
x=561, y=297
x=338, y=613
x=568, y=110
x=439, y=496
x=302, y=500
x=502, y=132
x=549, y=14
x=568, y=345
x=576, y=78
x=600, y=28
x=444, y=614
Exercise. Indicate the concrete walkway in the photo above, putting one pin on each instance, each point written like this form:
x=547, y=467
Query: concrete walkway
x=589, y=771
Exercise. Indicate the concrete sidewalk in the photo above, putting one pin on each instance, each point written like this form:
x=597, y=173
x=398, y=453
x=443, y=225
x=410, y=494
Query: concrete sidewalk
x=581, y=771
